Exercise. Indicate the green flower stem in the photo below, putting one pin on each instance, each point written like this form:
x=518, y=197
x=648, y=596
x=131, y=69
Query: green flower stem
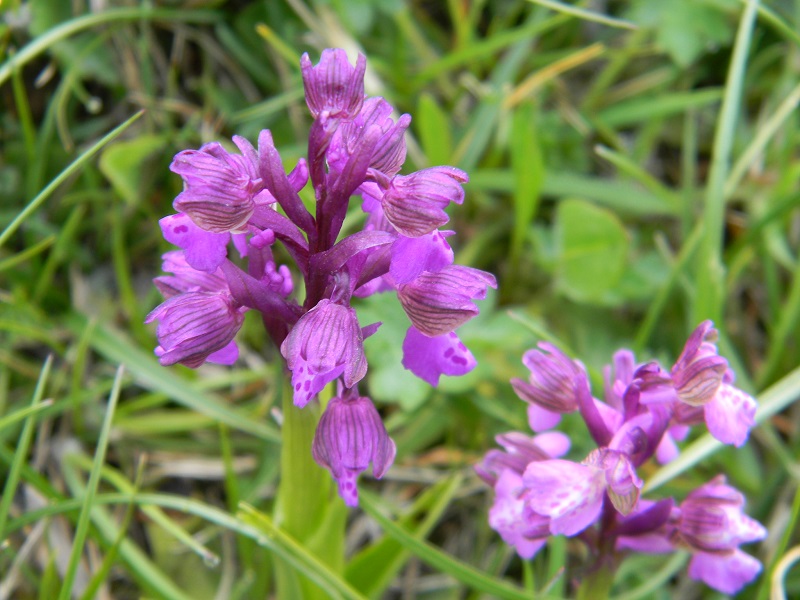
x=597, y=585
x=308, y=508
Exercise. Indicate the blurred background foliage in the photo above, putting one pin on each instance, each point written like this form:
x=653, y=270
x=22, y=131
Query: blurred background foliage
x=589, y=140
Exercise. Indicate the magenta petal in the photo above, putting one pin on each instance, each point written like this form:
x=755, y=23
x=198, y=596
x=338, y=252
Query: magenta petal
x=226, y=356
x=507, y=516
x=730, y=415
x=412, y=256
x=439, y=302
x=667, y=450
x=204, y=250
x=415, y=203
x=554, y=443
x=430, y=357
x=324, y=344
x=727, y=573
x=541, y=419
x=569, y=493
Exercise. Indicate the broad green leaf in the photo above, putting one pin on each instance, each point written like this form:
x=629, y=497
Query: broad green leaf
x=684, y=28
x=592, y=246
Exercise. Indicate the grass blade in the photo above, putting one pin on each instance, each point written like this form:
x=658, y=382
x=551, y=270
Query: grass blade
x=710, y=295
x=21, y=451
x=440, y=560
x=73, y=26
x=153, y=376
x=74, y=166
x=91, y=489
x=586, y=15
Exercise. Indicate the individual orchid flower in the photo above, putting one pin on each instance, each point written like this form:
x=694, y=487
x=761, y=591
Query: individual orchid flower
x=414, y=204
x=326, y=343
x=350, y=435
x=195, y=327
x=221, y=189
x=439, y=302
x=333, y=87
x=552, y=386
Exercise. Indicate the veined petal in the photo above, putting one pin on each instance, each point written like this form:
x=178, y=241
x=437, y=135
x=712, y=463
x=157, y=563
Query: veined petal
x=571, y=494
x=324, y=344
x=439, y=302
x=726, y=573
x=334, y=87
x=349, y=436
x=730, y=415
x=414, y=204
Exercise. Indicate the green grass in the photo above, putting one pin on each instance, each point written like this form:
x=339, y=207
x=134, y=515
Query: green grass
x=630, y=175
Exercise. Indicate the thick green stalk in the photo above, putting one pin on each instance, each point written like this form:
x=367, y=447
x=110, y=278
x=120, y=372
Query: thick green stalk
x=597, y=585
x=308, y=508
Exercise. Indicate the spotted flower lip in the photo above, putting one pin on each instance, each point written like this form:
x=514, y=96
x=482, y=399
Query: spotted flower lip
x=333, y=87
x=326, y=343
x=439, y=302
x=350, y=435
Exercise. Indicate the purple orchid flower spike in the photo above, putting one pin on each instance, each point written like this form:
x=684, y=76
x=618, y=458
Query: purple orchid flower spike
x=326, y=343
x=647, y=411
x=230, y=201
x=349, y=436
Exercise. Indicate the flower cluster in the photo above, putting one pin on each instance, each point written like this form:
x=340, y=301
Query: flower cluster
x=645, y=409
x=246, y=202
